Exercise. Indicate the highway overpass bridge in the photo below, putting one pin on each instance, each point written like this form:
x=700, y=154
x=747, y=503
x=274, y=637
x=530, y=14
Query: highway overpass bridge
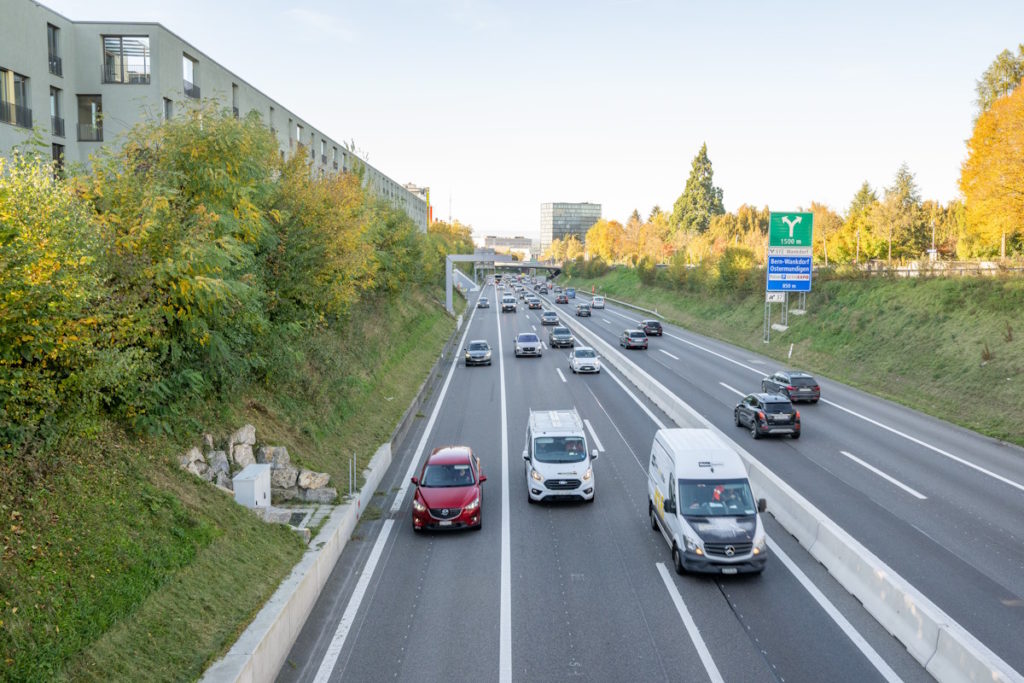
x=485, y=260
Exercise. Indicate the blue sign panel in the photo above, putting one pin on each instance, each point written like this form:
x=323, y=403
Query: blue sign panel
x=789, y=274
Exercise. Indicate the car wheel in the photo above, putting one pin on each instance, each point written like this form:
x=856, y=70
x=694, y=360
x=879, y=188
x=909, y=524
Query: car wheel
x=479, y=526
x=795, y=435
x=677, y=560
x=572, y=368
x=654, y=520
x=591, y=499
x=764, y=387
x=753, y=430
x=529, y=498
x=488, y=362
x=736, y=416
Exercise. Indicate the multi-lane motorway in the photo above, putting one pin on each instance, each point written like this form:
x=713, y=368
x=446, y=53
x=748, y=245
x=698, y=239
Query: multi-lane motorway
x=577, y=591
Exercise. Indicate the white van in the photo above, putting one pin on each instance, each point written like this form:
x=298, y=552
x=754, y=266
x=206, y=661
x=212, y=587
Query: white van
x=557, y=463
x=597, y=302
x=699, y=498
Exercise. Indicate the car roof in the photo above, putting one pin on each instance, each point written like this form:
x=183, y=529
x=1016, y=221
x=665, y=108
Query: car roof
x=582, y=348
x=477, y=341
x=649, y=320
x=560, y=329
x=636, y=332
x=770, y=398
x=526, y=334
x=449, y=455
x=699, y=451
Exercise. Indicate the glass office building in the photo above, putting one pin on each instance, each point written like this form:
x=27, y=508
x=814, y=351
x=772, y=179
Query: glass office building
x=558, y=220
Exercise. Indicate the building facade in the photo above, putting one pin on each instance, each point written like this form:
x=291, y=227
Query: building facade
x=558, y=220
x=98, y=79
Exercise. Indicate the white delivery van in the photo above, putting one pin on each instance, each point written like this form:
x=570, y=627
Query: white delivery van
x=558, y=465
x=597, y=302
x=699, y=498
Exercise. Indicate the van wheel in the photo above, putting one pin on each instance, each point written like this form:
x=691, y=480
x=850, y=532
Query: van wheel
x=654, y=520
x=677, y=560
x=753, y=430
x=795, y=435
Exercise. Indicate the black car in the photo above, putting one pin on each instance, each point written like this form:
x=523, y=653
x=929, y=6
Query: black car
x=483, y=303
x=633, y=339
x=767, y=414
x=560, y=336
x=478, y=353
x=651, y=328
x=798, y=386
x=583, y=310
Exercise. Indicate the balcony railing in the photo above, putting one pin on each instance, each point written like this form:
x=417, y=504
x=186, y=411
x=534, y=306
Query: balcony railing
x=335, y=165
x=191, y=89
x=323, y=158
x=56, y=65
x=16, y=114
x=57, y=126
x=88, y=132
x=110, y=74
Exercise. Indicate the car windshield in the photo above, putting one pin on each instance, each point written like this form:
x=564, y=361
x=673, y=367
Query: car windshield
x=725, y=498
x=636, y=334
x=584, y=306
x=528, y=337
x=803, y=382
x=478, y=346
x=652, y=323
x=559, y=449
x=585, y=353
x=549, y=314
x=778, y=407
x=561, y=332
x=440, y=476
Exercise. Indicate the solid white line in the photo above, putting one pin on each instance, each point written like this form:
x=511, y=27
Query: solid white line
x=669, y=354
x=872, y=656
x=534, y=327
x=715, y=353
x=505, y=618
x=559, y=370
x=883, y=475
x=544, y=345
x=735, y=391
x=614, y=312
x=606, y=320
x=593, y=434
x=605, y=370
x=938, y=450
x=691, y=627
x=338, y=641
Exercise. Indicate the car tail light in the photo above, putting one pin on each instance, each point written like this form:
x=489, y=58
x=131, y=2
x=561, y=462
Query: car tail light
x=790, y=388
x=817, y=388
x=798, y=415
x=760, y=416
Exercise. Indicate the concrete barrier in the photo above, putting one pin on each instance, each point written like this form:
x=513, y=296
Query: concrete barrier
x=946, y=650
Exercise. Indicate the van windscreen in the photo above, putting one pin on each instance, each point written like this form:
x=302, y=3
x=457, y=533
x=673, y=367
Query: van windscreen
x=710, y=498
x=559, y=449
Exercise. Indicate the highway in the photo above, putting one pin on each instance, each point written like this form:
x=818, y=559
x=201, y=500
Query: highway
x=575, y=591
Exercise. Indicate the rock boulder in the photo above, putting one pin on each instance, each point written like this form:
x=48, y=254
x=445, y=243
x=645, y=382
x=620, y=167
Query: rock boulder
x=283, y=477
x=308, y=479
x=242, y=455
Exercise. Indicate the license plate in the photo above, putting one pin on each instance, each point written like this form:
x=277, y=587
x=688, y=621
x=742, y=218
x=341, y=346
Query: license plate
x=448, y=522
x=728, y=570
x=805, y=390
x=781, y=417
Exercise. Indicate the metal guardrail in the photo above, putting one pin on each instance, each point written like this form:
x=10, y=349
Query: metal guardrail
x=16, y=114
x=112, y=75
x=88, y=132
x=56, y=65
x=57, y=126
x=621, y=303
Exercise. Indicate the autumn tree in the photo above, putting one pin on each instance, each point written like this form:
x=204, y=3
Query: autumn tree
x=899, y=215
x=573, y=248
x=827, y=224
x=992, y=180
x=604, y=240
x=700, y=200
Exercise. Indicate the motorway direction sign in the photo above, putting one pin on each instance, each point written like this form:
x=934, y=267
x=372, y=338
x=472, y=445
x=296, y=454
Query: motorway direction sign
x=789, y=274
x=791, y=230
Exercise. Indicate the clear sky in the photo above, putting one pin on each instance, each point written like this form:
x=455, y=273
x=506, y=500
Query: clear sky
x=501, y=106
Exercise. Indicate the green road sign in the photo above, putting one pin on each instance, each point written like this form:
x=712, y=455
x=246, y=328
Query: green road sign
x=790, y=229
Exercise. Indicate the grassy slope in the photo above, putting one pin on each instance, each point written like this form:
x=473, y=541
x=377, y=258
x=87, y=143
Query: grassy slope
x=915, y=341
x=119, y=566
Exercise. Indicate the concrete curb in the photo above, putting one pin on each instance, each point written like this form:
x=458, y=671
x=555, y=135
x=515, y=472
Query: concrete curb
x=946, y=650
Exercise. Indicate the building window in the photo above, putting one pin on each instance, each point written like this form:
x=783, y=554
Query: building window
x=53, y=49
x=90, y=118
x=298, y=133
x=189, y=67
x=334, y=158
x=56, y=112
x=126, y=59
x=234, y=99
x=57, y=151
x=270, y=120
x=168, y=109
x=14, y=99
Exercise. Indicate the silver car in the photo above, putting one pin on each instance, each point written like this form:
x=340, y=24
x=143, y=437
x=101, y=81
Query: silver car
x=527, y=344
x=584, y=359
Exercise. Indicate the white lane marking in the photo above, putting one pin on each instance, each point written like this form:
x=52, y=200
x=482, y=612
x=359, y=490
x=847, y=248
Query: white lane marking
x=341, y=633
x=938, y=450
x=617, y=430
x=691, y=627
x=400, y=498
x=505, y=619
x=674, y=357
x=735, y=391
x=544, y=345
x=593, y=434
x=893, y=430
x=605, y=370
x=606, y=320
x=559, y=371
x=858, y=640
x=534, y=327
x=885, y=476
x=614, y=312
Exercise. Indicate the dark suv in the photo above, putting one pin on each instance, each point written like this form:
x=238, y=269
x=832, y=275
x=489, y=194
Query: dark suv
x=798, y=386
x=651, y=328
x=767, y=414
x=560, y=336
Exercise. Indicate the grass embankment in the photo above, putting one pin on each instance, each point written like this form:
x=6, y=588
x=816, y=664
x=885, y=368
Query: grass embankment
x=117, y=565
x=950, y=347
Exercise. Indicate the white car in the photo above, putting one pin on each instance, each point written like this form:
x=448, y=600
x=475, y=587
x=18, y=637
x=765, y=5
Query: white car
x=597, y=302
x=527, y=344
x=584, y=359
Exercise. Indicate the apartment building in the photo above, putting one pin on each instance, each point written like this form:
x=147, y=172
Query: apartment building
x=558, y=220
x=98, y=79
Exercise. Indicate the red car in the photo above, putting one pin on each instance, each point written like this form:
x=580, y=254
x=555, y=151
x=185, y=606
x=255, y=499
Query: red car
x=562, y=299
x=448, y=493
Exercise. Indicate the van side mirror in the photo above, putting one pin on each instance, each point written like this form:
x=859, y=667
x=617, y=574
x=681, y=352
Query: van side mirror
x=415, y=480
x=670, y=506
x=762, y=505
x=593, y=454
x=526, y=455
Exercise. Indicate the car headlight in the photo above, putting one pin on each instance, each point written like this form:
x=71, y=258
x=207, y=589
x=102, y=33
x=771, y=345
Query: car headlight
x=418, y=506
x=473, y=505
x=487, y=356
x=693, y=546
x=760, y=545
x=588, y=474
x=536, y=475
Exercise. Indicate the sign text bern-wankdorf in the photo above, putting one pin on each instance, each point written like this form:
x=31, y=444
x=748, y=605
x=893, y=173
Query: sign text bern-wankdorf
x=789, y=252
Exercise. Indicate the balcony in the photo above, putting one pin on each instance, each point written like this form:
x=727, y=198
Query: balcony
x=56, y=65
x=57, y=126
x=323, y=159
x=191, y=89
x=335, y=165
x=15, y=114
x=109, y=74
x=88, y=132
